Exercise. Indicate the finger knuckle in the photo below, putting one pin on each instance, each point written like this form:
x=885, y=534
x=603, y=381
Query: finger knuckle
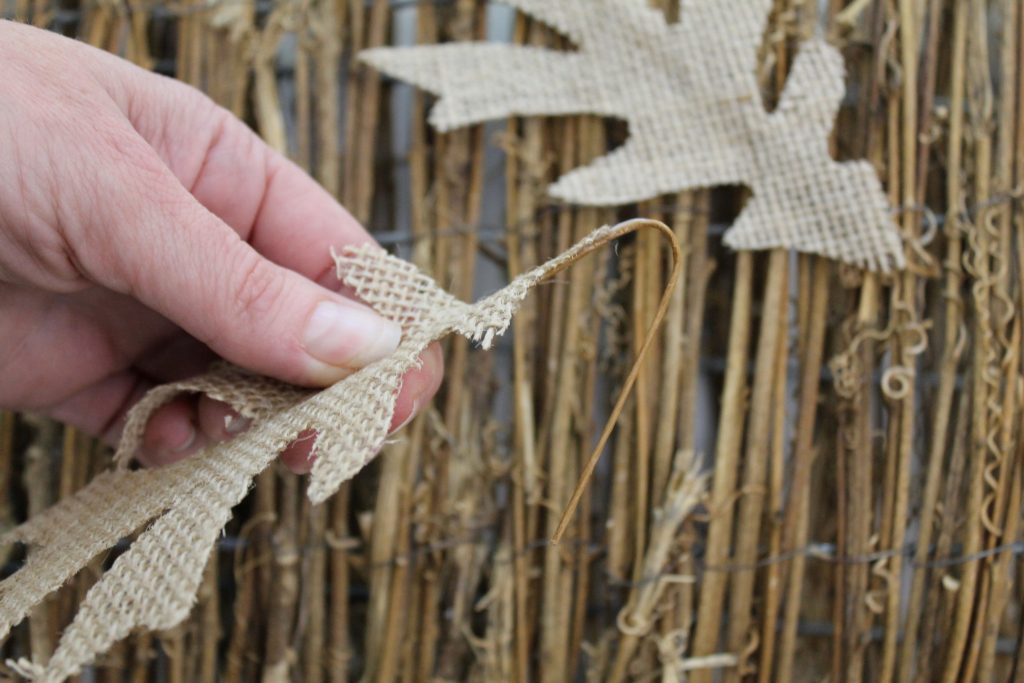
x=129, y=153
x=256, y=291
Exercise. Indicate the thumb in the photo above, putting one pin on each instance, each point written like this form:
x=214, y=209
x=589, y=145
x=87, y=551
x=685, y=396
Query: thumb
x=172, y=254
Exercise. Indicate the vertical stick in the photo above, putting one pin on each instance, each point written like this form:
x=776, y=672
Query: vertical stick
x=388, y=665
x=387, y=534
x=727, y=450
x=671, y=366
x=776, y=484
x=555, y=609
x=520, y=206
x=316, y=589
x=284, y=597
x=907, y=291
x=772, y=333
x=980, y=110
x=1004, y=518
x=210, y=623
x=640, y=460
x=692, y=230
x=360, y=178
x=951, y=348
x=340, y=646
x=797, y=509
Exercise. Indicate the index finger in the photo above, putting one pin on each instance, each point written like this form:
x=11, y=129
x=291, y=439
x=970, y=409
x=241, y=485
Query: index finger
x=269, y=200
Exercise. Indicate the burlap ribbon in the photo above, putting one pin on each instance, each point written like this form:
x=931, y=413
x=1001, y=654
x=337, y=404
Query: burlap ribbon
x=153, y=585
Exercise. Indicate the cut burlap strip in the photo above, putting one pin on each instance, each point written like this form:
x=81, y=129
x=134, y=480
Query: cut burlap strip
x=696, y=118
x=186, y=505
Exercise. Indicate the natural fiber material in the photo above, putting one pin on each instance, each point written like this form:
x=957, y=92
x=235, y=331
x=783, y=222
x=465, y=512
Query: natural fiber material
x=153, y=585
x=696, y=119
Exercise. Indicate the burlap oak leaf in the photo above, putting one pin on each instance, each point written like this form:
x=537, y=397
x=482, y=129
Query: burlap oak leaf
x=696, y=118
x=180, y=510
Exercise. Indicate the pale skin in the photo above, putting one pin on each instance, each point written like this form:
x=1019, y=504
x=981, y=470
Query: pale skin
x=145, y=232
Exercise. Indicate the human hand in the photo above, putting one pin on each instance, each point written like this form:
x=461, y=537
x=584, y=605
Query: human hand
x=144, y=231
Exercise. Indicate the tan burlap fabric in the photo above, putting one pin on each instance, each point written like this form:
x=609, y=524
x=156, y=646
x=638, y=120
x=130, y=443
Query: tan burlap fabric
x=696, y=119
x=153, y=584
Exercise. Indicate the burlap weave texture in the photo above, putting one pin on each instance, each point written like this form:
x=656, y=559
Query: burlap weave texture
x=153, y=585
x=690, y=94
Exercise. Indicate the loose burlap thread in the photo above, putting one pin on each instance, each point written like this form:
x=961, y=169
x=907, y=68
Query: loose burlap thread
x=153, y=585
x=690, y=94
